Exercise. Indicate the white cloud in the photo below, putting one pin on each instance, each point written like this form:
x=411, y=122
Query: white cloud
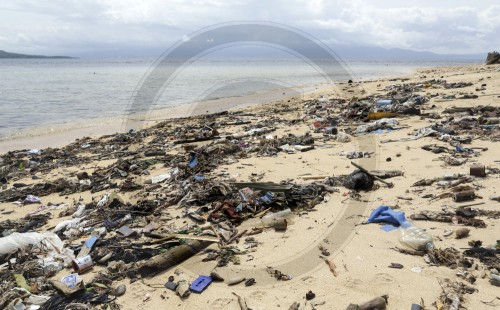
x=71, y=26
x=453, y=29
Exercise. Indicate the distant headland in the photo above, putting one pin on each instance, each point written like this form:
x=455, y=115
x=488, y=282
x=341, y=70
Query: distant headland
x=4, y=54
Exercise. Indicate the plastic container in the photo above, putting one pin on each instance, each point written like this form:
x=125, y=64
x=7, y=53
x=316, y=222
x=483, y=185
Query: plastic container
x=82, y=264
x=380, y=115
x=270, y=218
x=331, y=130
x=452, y=176
x=478, y=170
x=383, y=102
x=464, y=196
x=415, y=237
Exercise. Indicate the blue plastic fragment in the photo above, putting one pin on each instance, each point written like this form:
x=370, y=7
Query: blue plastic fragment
x=385, y=214
x=200, y=284
x=91, y=241
x=268, y=198
x=419, y=100
x=199, y=178
x=171, y=285
x=383, y=102
x=489, y=126
x=239, y=208
x=193, y=162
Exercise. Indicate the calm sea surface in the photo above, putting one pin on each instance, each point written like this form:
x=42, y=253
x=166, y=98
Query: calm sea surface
x=77, y=92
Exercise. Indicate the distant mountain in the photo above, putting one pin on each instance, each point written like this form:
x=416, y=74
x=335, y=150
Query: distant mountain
x=375, y=52
x=4, y=54
x=345, y=52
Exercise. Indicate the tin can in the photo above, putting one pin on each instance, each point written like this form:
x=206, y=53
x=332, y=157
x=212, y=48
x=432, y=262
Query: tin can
x=331, y=130
x=280, y=225
x=478, y=170
x=81, y=264
x=82, y=175
x=464, y=196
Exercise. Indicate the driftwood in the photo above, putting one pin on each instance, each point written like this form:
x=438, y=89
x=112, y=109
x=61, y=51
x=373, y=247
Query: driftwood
x=453, y=293
x=332, y=266
x=237, y=123
x=315, y=177
x=386, y=174
x=171, y=258
x=241, y=301
x=265, y=186
x=183, y=236
x=198, y=139
x=237, y=236
x=383, y=174
x=378, y=303
x=433, y=216
x=458, y=110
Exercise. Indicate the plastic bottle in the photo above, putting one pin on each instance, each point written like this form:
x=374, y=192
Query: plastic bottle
x=269, y=219
x=415, y=237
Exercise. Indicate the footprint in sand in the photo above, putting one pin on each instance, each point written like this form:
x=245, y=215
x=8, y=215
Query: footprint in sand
x=259, y=295
x=220, y=303
x=352, y=283
x=309, y=280
x=383, y=278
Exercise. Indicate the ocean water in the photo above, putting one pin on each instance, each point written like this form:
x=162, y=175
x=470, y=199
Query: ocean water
x=80, y=92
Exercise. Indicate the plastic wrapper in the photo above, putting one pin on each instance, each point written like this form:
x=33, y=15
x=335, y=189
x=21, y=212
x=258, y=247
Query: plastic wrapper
x=47, y=241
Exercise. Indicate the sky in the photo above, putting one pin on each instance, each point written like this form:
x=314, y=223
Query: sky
x=93, y=27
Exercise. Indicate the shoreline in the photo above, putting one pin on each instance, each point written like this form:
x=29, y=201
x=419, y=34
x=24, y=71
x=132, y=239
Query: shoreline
x=59, y=135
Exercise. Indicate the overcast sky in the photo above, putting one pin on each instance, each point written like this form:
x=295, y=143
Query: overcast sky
x=79, y=27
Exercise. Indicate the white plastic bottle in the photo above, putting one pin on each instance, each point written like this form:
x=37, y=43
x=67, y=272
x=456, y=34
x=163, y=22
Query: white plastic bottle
x=269, y=219
x=415, y=237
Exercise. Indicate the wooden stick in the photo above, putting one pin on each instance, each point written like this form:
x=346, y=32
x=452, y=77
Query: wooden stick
x=215, y=232
x=182, y=236
x=171, y=258
x=262, y=213
x=373, y=176
x=197, y=139
x=332, y=266
x=241, y=301
x=472, y=204
x=236, y=236
x=235, y=123
x=315, y=177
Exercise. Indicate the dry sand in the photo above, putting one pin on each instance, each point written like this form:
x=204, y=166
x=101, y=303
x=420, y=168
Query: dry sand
x=362, y=253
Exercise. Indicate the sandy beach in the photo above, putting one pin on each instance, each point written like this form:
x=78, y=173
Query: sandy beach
x=336, y=223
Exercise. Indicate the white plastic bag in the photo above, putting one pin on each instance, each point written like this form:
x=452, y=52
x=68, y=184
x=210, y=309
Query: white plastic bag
x=377, y=125
x=45, y=240
x=67, y=224
x=343, y=137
